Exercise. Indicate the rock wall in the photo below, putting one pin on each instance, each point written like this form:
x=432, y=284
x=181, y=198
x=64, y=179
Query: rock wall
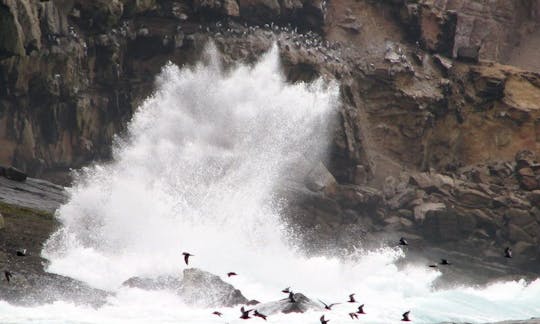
x=423, y=91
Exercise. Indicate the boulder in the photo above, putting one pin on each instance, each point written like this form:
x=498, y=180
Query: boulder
x=421, y=210
x=163, y=282
x=524, y=158
x=472, y=198
x=203, y=289
x=302, y=304
x=14, y=174
x=320, y=179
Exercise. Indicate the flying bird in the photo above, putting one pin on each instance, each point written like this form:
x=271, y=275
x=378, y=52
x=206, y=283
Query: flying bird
x=230, y=274
x=21, y=252
x=351, y=298
x=286, y=290
x=324, y=321
x=508, y=253
x=328, y=307
x=8, y=275
x=445, y=262
x=186, y=257
x=406, y=317
x=245, y=313
x=353, y=315
x=360, y=309
x=403, y=241
x=217, y=313
x=257, y=314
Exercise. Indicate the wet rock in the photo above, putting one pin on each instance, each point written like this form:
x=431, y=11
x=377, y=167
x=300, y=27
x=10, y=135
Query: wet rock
x=302, y=304
x=163, y=282
x=32, y=193
x=320, y=179
x=2, y=223
x=517, y=234
x=201, y=288
x=14, y=174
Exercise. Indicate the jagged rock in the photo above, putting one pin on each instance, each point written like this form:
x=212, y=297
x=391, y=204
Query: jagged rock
x=302, y=305
x=472, y=198
x=164, y=282
x=201, y=288
x=402, y=199
x=519, y=217
x=517, y=234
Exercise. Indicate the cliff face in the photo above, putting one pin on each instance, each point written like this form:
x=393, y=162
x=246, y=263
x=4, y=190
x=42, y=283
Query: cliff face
x=423, y=89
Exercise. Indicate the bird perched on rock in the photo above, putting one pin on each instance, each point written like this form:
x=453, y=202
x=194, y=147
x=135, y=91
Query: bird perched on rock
x=257, y=314
x=328, y=307
x=360, y=309
x=217, y=313
x=508, y=252
x=186, y=257
x=403, y=241
x=291, y=297
x=353, y=315
x=405, y=317
x=230, y=274
x=351, y=298
x=8, y=275
x=323, y=321
x=21, y=252
x=245, y=313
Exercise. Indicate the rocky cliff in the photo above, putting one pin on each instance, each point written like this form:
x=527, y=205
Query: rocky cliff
x=437, y=137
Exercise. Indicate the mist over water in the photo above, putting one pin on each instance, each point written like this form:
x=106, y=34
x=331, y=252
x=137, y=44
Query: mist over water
x=198, y=171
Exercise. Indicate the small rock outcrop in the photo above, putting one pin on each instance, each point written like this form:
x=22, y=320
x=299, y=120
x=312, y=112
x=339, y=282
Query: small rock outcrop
x=302, y=304
x=201, y=288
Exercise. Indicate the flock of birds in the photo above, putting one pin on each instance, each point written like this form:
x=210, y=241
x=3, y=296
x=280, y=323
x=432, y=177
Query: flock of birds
x=245, y=313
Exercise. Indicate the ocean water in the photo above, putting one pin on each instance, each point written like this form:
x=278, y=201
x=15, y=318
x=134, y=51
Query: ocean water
x=198, y=171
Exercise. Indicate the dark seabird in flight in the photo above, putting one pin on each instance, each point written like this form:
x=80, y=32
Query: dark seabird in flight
x=403, y=241
x=230, y=274
x=8, y=275
x=351, y=298
x=360, y=309
x=508, y=252
x=406, y=317
x=21, y=252
x=353, y=315
x=445, y=262
x=245, y=313
x=259, y=315
x=432, y=266
x=291, y=297
x=324, y=321
x=328, y=307
x=286, y=290
x=186, y=257
x=217, y=313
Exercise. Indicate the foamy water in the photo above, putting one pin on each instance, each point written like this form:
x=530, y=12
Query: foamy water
x=197, y=172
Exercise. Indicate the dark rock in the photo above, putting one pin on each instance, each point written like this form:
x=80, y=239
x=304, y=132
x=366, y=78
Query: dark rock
x=469, y=54
x=2, y=223
x=14, y=174
x=302, y=304
x=201, y=288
